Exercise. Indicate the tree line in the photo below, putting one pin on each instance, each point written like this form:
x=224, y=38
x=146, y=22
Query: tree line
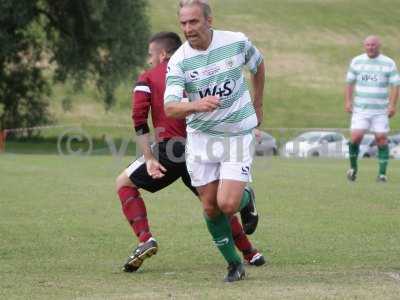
x=48, y=41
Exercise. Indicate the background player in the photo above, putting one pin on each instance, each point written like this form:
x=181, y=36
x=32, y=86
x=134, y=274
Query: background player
x=371, y=103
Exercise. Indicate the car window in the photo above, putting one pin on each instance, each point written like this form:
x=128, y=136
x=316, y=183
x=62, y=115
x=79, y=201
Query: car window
x=367, y=140
x=308, y=136
x=266, y=136
x=329, y=138
x=395, y=139
x=325, y=139
x=337, y=137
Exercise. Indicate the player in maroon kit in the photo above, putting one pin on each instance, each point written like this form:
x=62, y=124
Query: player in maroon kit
x=163, y=163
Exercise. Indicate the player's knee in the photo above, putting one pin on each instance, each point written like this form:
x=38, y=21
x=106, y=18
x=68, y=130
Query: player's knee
x=228, y=208
x=381, y=140
x=356, y=140
x=211, y=211
x=121, y=181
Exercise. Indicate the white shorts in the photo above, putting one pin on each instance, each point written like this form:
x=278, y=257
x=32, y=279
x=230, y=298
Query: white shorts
x=210, y=158
x=374, y=123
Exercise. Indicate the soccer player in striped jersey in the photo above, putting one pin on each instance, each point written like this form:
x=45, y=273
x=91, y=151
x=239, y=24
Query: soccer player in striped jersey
x=371, y=97
x=220, y=117
x=164, y=163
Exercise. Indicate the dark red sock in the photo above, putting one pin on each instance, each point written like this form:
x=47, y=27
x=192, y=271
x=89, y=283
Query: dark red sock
x=135, y=212
x=240, y=238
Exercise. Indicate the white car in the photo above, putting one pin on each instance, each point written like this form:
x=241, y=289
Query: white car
x=266, y=145
x=394, y=140
x=368, y=147
x=317, y=143
x=395, y=152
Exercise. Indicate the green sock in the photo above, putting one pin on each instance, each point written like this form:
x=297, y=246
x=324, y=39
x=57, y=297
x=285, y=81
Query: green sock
x=383, y=157
x=221, y=232
x=245, y=200
x=354, y=149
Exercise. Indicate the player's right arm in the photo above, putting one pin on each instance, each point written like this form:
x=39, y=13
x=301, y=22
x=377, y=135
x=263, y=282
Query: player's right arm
x=141, y=100
x=348, y=98
x=175, y=86
x=351, y=78
x=180, y=110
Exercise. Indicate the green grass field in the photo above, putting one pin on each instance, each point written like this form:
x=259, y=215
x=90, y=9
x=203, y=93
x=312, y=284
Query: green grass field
x=63, y=236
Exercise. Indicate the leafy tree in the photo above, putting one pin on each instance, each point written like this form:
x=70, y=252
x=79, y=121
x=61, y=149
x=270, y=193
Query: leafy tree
x=80, y=40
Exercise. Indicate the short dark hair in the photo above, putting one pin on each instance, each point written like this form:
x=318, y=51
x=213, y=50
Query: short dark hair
x=168, y=40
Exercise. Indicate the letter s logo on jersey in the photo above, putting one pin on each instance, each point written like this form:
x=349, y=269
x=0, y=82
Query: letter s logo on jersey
x=245, y=170
x=194, y=75
x=221, y=90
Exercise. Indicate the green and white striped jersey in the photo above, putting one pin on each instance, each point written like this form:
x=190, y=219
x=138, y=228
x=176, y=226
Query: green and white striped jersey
x=372, y=78
x=216, y=71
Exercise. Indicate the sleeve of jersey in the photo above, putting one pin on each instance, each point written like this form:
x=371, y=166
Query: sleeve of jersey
x=351, y=74
x=394, y=77
x=141, y=99
x=252, y=56
x=175, y=82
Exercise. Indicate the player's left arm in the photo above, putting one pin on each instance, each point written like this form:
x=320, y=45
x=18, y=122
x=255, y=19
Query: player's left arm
x=394, y=81
x=258, y=82
x=154, y=168
x=141, y=103
x=255, y=62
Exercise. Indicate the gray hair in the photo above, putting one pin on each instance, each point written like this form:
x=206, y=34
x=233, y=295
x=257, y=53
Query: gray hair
x=205, y=6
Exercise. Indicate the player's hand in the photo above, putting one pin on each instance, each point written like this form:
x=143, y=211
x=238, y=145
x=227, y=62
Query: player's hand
x=391, y=111
x=155, y=169
x=348, y=108
x=260, y=116
x=257, y=134
x=207, y=104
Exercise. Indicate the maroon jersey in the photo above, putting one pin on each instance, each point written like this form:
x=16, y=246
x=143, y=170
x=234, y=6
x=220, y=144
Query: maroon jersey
x=148, y=94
